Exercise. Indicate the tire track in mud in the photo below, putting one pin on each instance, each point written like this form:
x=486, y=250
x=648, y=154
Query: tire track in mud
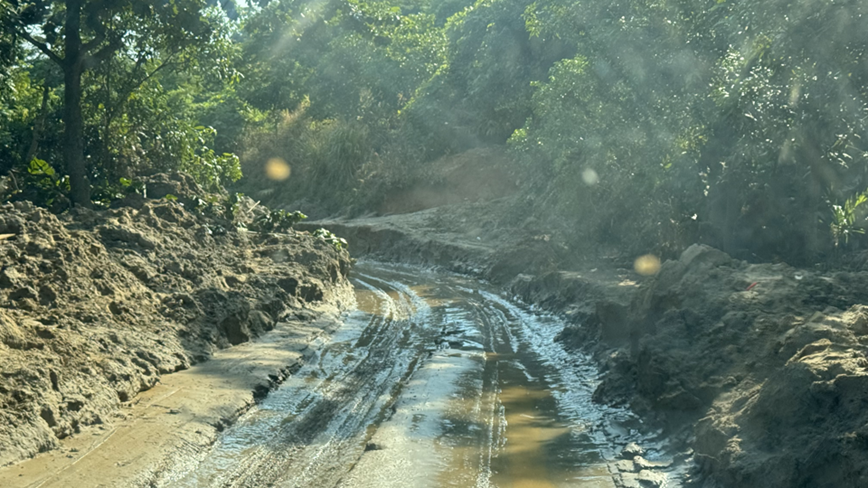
x=311, y=431
x=431, y=382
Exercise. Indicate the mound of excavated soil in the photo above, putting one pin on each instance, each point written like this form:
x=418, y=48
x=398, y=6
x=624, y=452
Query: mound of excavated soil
x=96, y=306
x=770, y=359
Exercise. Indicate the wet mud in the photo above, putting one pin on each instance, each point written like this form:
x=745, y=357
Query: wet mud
x=434, y=380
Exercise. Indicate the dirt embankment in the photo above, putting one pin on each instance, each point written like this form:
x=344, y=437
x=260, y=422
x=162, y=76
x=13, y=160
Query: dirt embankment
x=96, y=306
x=773, y=360
x=760, y=369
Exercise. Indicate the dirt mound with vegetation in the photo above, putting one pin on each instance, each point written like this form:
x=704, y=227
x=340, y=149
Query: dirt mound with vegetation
x=96, y=306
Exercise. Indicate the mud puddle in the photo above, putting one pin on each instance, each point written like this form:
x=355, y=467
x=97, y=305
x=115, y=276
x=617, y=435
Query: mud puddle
x=433, y=381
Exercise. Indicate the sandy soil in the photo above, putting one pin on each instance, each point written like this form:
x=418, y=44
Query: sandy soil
x=98, y=307
x=176, y=419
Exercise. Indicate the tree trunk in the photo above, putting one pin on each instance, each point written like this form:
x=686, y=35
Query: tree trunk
x=73, y=131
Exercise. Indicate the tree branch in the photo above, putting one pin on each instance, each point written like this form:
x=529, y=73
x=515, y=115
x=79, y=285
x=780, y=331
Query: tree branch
x=135, y=85
x=96, y=41
x=95, y=25
x=107, y=51
x=41, y=46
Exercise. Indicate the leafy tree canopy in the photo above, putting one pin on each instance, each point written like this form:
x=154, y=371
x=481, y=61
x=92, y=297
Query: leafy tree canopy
x=636, y=124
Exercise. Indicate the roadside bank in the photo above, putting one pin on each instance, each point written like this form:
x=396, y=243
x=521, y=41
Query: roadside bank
x=101, y=306
x=179, y=417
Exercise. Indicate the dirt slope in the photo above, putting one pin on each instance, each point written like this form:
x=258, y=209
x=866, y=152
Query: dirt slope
x=774, y=360
x=760, y=368
x=480, y=174
x=96, y=306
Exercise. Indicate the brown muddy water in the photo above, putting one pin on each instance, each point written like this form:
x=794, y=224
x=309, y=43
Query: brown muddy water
x=436, y=381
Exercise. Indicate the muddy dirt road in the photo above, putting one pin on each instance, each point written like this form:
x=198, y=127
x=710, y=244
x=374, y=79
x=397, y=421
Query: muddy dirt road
x=433, y=381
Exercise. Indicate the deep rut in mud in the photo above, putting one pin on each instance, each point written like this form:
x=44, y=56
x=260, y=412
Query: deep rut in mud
x=432, y=381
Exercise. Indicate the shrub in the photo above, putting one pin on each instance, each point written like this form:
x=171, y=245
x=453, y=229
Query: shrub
x=276, y=221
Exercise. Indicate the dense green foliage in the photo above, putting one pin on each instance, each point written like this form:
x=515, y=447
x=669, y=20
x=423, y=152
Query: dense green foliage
x=638, y=126
x=119, y=79
x=734, y=122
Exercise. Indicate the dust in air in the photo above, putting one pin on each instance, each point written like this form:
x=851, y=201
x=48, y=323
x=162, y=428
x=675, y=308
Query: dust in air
x=277, y=169
x=647, y=265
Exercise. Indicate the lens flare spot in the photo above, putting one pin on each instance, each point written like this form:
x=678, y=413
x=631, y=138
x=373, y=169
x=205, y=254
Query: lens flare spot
x=590, y=177
x=647, y=265
x=277, y=169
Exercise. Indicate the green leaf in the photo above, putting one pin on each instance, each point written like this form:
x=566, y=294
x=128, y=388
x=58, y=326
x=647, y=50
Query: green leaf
x=40, y=167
